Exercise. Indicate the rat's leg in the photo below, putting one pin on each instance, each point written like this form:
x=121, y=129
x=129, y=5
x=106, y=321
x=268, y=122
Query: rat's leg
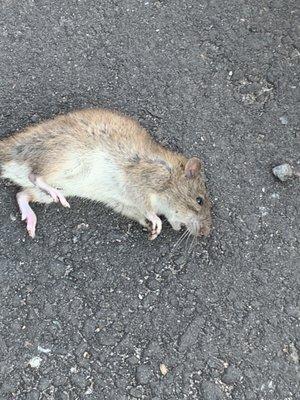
x=56, y=195
x=150, y=220
x=131, y=213
x=156, y=225
x=27, y=213
x=145, y=220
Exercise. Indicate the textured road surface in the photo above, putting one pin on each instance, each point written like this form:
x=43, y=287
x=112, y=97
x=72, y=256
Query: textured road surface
x=90, y=309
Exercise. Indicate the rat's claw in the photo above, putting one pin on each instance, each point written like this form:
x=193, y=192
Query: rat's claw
x=156, y=226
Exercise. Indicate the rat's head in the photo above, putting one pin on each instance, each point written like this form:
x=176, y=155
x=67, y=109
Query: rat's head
x=185, y=201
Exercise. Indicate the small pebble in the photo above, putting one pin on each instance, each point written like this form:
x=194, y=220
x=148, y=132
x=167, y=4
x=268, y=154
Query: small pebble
x=43, y=350
x=283, y=172
x=82, y=226
x=275, y=196
x=35, y=362
x=163, y=369
x=34, y=118
x=283, y=120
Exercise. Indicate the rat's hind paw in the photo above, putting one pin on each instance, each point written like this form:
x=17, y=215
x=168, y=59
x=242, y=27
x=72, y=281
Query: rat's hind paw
x=155, y=226
x=56, y=195
x=27, y=212
x=31, y=221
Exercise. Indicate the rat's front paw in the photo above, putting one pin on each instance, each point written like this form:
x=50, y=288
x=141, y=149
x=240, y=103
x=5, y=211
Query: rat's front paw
x=155, y=226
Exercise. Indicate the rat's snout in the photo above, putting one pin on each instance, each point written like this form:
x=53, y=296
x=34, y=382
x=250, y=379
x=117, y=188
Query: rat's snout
x=205, y=226
x=200, y=227
x=204, y=230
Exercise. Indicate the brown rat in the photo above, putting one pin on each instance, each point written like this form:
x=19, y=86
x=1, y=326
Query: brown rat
x=105, y=156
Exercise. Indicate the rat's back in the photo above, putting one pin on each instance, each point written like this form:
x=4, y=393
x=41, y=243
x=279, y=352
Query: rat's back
x=76, y=144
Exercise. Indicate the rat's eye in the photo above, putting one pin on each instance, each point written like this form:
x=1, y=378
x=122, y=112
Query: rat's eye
x=200, y=200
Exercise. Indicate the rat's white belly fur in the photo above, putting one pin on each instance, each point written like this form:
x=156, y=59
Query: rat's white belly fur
x=94, y=176
x=17, y=173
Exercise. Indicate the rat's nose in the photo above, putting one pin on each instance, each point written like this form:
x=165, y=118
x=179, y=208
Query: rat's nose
x=205, y=230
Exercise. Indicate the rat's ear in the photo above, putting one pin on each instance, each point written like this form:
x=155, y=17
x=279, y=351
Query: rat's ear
x=193, y=167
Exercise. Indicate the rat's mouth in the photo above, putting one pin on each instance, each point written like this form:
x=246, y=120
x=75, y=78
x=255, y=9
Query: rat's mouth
x=199, y=229
x=177, y=226
x=204, y=231
x=194, y=228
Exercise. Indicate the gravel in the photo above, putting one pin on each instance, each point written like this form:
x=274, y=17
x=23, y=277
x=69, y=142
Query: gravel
x=283, y=172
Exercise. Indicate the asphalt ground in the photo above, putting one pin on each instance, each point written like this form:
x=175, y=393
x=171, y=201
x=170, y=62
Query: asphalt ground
x=91, y=309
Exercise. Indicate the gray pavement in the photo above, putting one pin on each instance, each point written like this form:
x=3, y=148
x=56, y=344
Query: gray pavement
x=92, y=310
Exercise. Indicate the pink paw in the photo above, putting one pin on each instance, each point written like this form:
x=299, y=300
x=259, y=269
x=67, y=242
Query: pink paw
x=31, y=221
x=54, y=193
x=155, y=226
x=58, y=197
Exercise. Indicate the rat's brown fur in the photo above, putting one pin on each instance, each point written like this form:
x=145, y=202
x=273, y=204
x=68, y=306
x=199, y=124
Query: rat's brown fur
x=105, y=156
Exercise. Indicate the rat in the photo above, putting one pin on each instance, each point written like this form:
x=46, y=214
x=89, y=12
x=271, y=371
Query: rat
x=107, y=157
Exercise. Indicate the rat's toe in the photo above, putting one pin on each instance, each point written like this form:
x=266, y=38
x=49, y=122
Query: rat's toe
x=153, y=236
x=63, y=200
x=57, y=196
